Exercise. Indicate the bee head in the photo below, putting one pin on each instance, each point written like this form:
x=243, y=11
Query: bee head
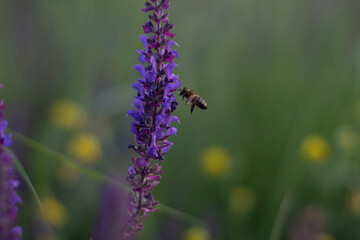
x=183, y=91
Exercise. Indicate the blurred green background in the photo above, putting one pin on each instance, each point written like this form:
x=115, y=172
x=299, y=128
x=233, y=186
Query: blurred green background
x=275, y=156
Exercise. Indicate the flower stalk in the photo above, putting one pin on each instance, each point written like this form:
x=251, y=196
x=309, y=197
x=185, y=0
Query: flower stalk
x=155, y=103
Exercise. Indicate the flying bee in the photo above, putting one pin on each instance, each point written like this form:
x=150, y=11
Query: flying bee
x=193, y=98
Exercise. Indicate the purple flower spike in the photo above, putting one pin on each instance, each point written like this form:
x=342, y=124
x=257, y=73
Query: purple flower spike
x=155, y=102
x=8, y=185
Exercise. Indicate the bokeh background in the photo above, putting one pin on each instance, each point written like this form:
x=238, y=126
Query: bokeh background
x=275, y=156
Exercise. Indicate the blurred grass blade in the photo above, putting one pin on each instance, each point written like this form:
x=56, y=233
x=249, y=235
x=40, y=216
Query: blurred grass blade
x=281, y=216
x=23, y=173
x=97, y=176
x=171, y=212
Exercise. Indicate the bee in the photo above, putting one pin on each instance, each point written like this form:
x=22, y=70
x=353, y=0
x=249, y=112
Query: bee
x=193, y=98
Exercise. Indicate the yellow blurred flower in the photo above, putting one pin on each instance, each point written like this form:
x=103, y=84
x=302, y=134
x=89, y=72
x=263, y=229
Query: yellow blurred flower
x=67, y=114
x=216, y=161
x=66, y=174
x=53, y=212
x=196, y=233
x=354, y=202
x=85, y=147
x=241, y=200
x=325, y=236
x=348, y=139
x=315, y=148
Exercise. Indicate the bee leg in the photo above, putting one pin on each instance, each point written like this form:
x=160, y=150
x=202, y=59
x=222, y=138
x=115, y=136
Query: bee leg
x=192, y=108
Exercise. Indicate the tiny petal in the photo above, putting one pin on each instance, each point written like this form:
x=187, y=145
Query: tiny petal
x=139, y=87
x=141, y=58
x=141, y=70
x=169, y=69
x=134, y=129
x=138, y=103
x=169, y=34
x=177, y=83
x=148, y=7
x=140, y=80
x=171, y=131
x=159, y=133
x=135, y=114
x=167, y=27
x=165, y=4
x=170, y=87
x=166, y=106
x=173, y=119
x=146, y=29
x=165, y=149
x=164, y=18
x=142, y=163
x=153, y=63
x=7, y=140
x=154, y=178
x=3, y=124
x=152, y=151
x=170, y=44
x=151, y=76
x=144, y=39
x=131, y=172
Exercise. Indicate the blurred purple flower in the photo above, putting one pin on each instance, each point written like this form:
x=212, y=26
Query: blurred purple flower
x=309, y=224
x=155, y=103
x=8, y=185
x=112, y=213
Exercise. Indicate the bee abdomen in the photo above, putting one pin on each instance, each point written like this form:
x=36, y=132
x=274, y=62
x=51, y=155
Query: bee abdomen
x=201, y=103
